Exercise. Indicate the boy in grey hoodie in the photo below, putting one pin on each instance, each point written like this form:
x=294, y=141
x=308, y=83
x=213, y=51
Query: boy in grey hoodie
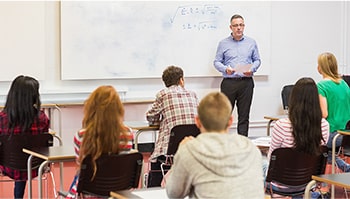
x=216, y=164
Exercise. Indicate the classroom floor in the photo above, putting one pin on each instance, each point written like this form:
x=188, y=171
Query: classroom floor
x=6, y=188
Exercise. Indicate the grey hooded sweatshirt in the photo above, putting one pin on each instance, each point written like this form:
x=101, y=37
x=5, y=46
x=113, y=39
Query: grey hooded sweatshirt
x=216, y=165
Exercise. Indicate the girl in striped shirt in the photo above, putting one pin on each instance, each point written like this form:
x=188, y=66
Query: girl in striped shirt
x=304, y=129
x=103, y=129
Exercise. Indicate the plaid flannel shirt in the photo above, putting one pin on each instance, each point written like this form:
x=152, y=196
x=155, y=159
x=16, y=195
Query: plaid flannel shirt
x=37, y=128
x=177, y=106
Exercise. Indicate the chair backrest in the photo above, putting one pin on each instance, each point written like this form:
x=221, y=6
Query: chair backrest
x=178, y=133
x=290, y=167
x=346, y=139
x=285, y=93
x=346, y=78
x=11, y=154
x=114, y=173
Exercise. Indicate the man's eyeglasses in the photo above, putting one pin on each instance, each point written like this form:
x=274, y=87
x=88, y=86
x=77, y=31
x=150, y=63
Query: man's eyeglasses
x=236, y=25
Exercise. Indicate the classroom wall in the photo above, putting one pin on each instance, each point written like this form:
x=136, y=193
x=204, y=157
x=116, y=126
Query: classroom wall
x=300, y=30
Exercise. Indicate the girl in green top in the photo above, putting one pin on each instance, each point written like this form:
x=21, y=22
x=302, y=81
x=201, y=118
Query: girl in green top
x=334, y=95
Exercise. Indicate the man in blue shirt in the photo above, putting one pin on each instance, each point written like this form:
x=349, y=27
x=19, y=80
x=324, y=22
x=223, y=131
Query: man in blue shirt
x=237, y=58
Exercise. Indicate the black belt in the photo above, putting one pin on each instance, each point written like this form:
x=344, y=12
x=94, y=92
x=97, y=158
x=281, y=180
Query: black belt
x=237, y=78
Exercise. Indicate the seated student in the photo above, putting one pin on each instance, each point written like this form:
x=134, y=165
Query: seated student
x=175, y=105
x=103, y=129
x=304, y=129
x=216, y=164
x=22, y=115
x=334, y=96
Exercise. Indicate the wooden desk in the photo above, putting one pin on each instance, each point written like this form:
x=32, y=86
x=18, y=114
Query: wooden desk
x=49, y=154
x=339, y=179
x=271, y=119
x=141, y=126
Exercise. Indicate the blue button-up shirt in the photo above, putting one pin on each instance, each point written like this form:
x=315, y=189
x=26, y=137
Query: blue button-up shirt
x=231, y=52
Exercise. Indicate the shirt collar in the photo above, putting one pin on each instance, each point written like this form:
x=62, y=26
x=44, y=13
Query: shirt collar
x=238, y=40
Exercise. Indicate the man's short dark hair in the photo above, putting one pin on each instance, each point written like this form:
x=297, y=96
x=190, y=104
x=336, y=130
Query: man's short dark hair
x=236, y=16
x=172, y=75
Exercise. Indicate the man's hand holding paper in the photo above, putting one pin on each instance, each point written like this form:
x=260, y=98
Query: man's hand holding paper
x=245, y=69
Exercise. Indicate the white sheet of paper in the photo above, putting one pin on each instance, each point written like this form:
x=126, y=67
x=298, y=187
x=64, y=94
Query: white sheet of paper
x=242, y=68
x=262, y=141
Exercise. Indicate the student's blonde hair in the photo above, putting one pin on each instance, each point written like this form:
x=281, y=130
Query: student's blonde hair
x=214, y=111
x=328, y=66
x=103, y=124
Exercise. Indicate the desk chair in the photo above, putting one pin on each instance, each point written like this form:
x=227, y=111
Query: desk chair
x=114, y=173
x=12, y=156
x=346, y=78
x=293, y=169
x=285, y=93
x=177, y=134
x=343, y=151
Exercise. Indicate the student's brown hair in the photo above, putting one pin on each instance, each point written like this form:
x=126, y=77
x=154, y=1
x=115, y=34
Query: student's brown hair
x=103, y=124
x=172, y=75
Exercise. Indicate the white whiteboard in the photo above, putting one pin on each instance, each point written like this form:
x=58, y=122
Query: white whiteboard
x=22, y=35
x=133, y=39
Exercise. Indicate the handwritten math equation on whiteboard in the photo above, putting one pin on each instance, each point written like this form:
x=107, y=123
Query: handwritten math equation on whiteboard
x=197, y=17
